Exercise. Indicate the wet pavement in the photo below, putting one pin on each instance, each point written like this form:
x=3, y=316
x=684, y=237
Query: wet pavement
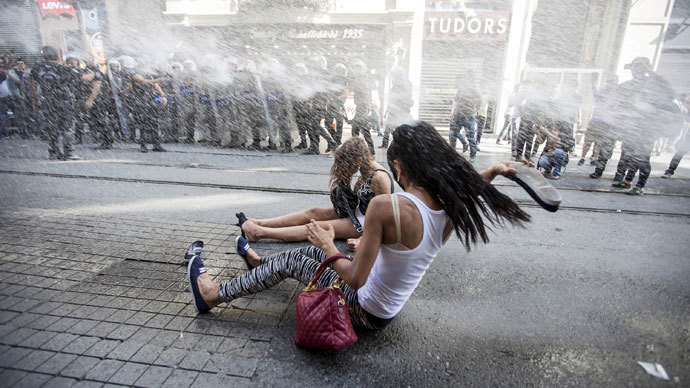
x=93, y=289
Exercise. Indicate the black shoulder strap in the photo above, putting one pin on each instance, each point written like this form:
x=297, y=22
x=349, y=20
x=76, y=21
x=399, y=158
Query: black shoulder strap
x=350, y=212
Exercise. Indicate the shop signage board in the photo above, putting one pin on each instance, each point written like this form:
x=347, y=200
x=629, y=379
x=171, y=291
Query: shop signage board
x=307, y=33
x=56, y=8
x=468, y=25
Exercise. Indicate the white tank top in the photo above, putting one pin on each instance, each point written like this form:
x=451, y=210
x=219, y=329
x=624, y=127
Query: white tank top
x=396, y=273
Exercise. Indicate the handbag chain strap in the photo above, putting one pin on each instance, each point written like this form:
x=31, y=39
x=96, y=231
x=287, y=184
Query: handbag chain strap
x=319, y=271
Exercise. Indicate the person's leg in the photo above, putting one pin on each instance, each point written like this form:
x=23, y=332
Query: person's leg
x=558, y=159
x=366, y=133
x=625, y=161
x=98, y=119
x=606, y=143
x=342, y=226
x=20, y=117
x=299, y=264
x=326, y=136
x=595, y=151
x=313, y=132
x=522, y=138
x=683, y=147
x=470, y=130
x=4, y=116
x=675, y=161
x=455, y=132
x=545, y=163
x=318, y=213
x=481, y=123
x=285, y=135
x=189, y=120
x=257, y=123
x=386, y=135
x=302, y=126
x=644, y=164
x=504, y=130
x=529, y=140
x=328, y=123
x=586, y=144
x=51, y=128
x=633, y=165
x=513, y=135
x=338, y=134
x=66, y=129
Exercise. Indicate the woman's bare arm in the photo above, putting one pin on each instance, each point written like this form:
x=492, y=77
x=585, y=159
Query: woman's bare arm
x=356, y=272
x=504, y=168
x=381, y=183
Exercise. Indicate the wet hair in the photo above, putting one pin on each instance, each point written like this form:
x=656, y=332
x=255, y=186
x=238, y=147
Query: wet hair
x=468, y=199
x=347, y=161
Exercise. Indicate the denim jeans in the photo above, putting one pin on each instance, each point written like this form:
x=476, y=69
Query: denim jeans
x=470, y=125
x=481, y=123
x=553, y=164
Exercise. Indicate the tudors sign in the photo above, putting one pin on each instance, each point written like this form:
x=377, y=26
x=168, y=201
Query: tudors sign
x=474, y=25
x=57, y=8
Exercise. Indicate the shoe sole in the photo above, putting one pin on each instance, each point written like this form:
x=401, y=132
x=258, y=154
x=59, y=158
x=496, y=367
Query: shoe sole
x=187, y=255
x=534, y=183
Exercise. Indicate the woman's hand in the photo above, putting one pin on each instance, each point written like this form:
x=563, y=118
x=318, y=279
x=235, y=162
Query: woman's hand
x=504, y=168
x=322, y=238
x=353, y=243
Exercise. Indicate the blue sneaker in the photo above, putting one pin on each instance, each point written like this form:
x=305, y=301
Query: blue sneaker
x=194, y=269
x=194, y=249
x=242, y=246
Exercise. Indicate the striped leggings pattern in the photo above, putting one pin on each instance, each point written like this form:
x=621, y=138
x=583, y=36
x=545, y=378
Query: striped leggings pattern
x=299, y=264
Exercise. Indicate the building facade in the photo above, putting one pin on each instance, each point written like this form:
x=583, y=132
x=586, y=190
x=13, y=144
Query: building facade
x=442, y=44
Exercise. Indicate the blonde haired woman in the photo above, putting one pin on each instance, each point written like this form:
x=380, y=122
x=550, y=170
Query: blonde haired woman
x=352, y=156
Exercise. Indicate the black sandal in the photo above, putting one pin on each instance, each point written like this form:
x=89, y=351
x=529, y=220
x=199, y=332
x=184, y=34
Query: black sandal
x=537, y=186
x=241, y=218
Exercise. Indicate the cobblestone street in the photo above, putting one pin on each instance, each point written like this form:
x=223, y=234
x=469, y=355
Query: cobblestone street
x=105, y=301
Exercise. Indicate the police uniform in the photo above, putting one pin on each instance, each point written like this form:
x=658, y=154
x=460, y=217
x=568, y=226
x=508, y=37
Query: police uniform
x=58, y=85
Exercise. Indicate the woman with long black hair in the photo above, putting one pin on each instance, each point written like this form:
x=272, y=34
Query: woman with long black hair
x=403, y=232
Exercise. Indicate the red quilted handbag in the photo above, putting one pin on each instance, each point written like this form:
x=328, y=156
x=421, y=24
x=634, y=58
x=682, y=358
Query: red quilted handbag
x=323, y=319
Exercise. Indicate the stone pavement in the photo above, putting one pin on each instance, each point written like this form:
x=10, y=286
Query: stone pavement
x=90, y=301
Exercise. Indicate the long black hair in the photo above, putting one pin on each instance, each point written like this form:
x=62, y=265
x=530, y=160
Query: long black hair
x=431, y=163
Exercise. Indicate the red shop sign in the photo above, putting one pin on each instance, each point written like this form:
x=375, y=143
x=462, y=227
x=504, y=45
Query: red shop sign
x=57, y=8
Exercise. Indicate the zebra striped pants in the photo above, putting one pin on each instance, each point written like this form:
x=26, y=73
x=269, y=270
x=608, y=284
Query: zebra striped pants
x=299, y=264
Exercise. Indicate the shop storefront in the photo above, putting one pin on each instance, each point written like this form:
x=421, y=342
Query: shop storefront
x=69, y=26
x=460, y=46
x=290, y=43
x=19, y=31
